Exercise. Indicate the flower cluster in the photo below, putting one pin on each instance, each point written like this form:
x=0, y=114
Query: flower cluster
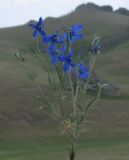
x=59, y=50
x=59, y=46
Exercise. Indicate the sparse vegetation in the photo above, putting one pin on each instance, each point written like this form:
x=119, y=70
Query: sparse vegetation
x=20, y=115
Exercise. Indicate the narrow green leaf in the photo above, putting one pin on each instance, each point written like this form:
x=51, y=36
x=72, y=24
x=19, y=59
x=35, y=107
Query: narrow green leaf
x=20, y=57
x=95, y=98
x=63, y=98
x=45, y=101
x=60, y=77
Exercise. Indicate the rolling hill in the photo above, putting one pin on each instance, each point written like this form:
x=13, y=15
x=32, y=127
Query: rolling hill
x=19, y=110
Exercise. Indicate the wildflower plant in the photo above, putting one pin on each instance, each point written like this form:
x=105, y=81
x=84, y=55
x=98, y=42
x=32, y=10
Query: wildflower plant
x=58, y=53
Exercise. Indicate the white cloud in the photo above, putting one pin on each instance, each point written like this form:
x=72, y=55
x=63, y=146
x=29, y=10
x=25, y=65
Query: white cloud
x=5, y=2
x=14, y=12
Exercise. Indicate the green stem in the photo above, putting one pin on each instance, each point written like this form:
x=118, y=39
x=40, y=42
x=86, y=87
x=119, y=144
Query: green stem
x=91, y=66
x=73, y=97
x=72, y=149
x=93, y=100
x=52, y=80
x=74, y=92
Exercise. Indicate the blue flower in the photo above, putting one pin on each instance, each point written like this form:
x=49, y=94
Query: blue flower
x=62, y=49
x=83, y=72
x=38, y=27
x=54, y=38
x=53, y=53
x=53, y=56
x=67, y=59
x=51, y=50
x=62, y=38
x=74, y=33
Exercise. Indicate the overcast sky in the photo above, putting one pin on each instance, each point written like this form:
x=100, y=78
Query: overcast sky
x=16, y=12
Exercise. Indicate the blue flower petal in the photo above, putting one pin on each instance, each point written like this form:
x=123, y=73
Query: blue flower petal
x=42, y=33
x=75, y=32
x=77, y=27
x=61, y=58
x=66, y=67
x=62, y=49
x=62, y=38
x=54, y=59
x=83, y=72
x=46, y=39
x=71, y=53
x=40, y=22
x=53, y=38
x=35, y=33
x=52, y=47
x=72, y=65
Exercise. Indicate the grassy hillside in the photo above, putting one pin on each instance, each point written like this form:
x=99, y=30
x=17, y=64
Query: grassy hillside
x=18, y=109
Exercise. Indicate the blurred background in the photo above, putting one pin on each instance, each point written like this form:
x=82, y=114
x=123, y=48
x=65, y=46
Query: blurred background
x=26, y=132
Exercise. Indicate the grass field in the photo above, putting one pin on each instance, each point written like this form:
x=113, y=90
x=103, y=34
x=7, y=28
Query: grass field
x=57, y=148
x=27, y=133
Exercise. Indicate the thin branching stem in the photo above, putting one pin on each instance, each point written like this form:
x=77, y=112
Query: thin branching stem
x=52, y=81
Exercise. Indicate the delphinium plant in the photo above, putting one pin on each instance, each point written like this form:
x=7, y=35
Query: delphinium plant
x=56, y=54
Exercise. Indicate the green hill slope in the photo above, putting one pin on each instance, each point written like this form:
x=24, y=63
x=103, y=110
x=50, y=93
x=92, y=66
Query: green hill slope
x=19, y=109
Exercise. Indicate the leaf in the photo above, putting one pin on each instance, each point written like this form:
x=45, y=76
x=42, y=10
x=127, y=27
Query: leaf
x=20, y=57
x=95, y=98
x=63, y=97
x=79, y=119
x=50, y=81
x=74, y=87
x=80, y=107
x=33, y=50
x=47, y=105
x=42, y=108
x=45, y=108
x=72, y=118
x=60, y=77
